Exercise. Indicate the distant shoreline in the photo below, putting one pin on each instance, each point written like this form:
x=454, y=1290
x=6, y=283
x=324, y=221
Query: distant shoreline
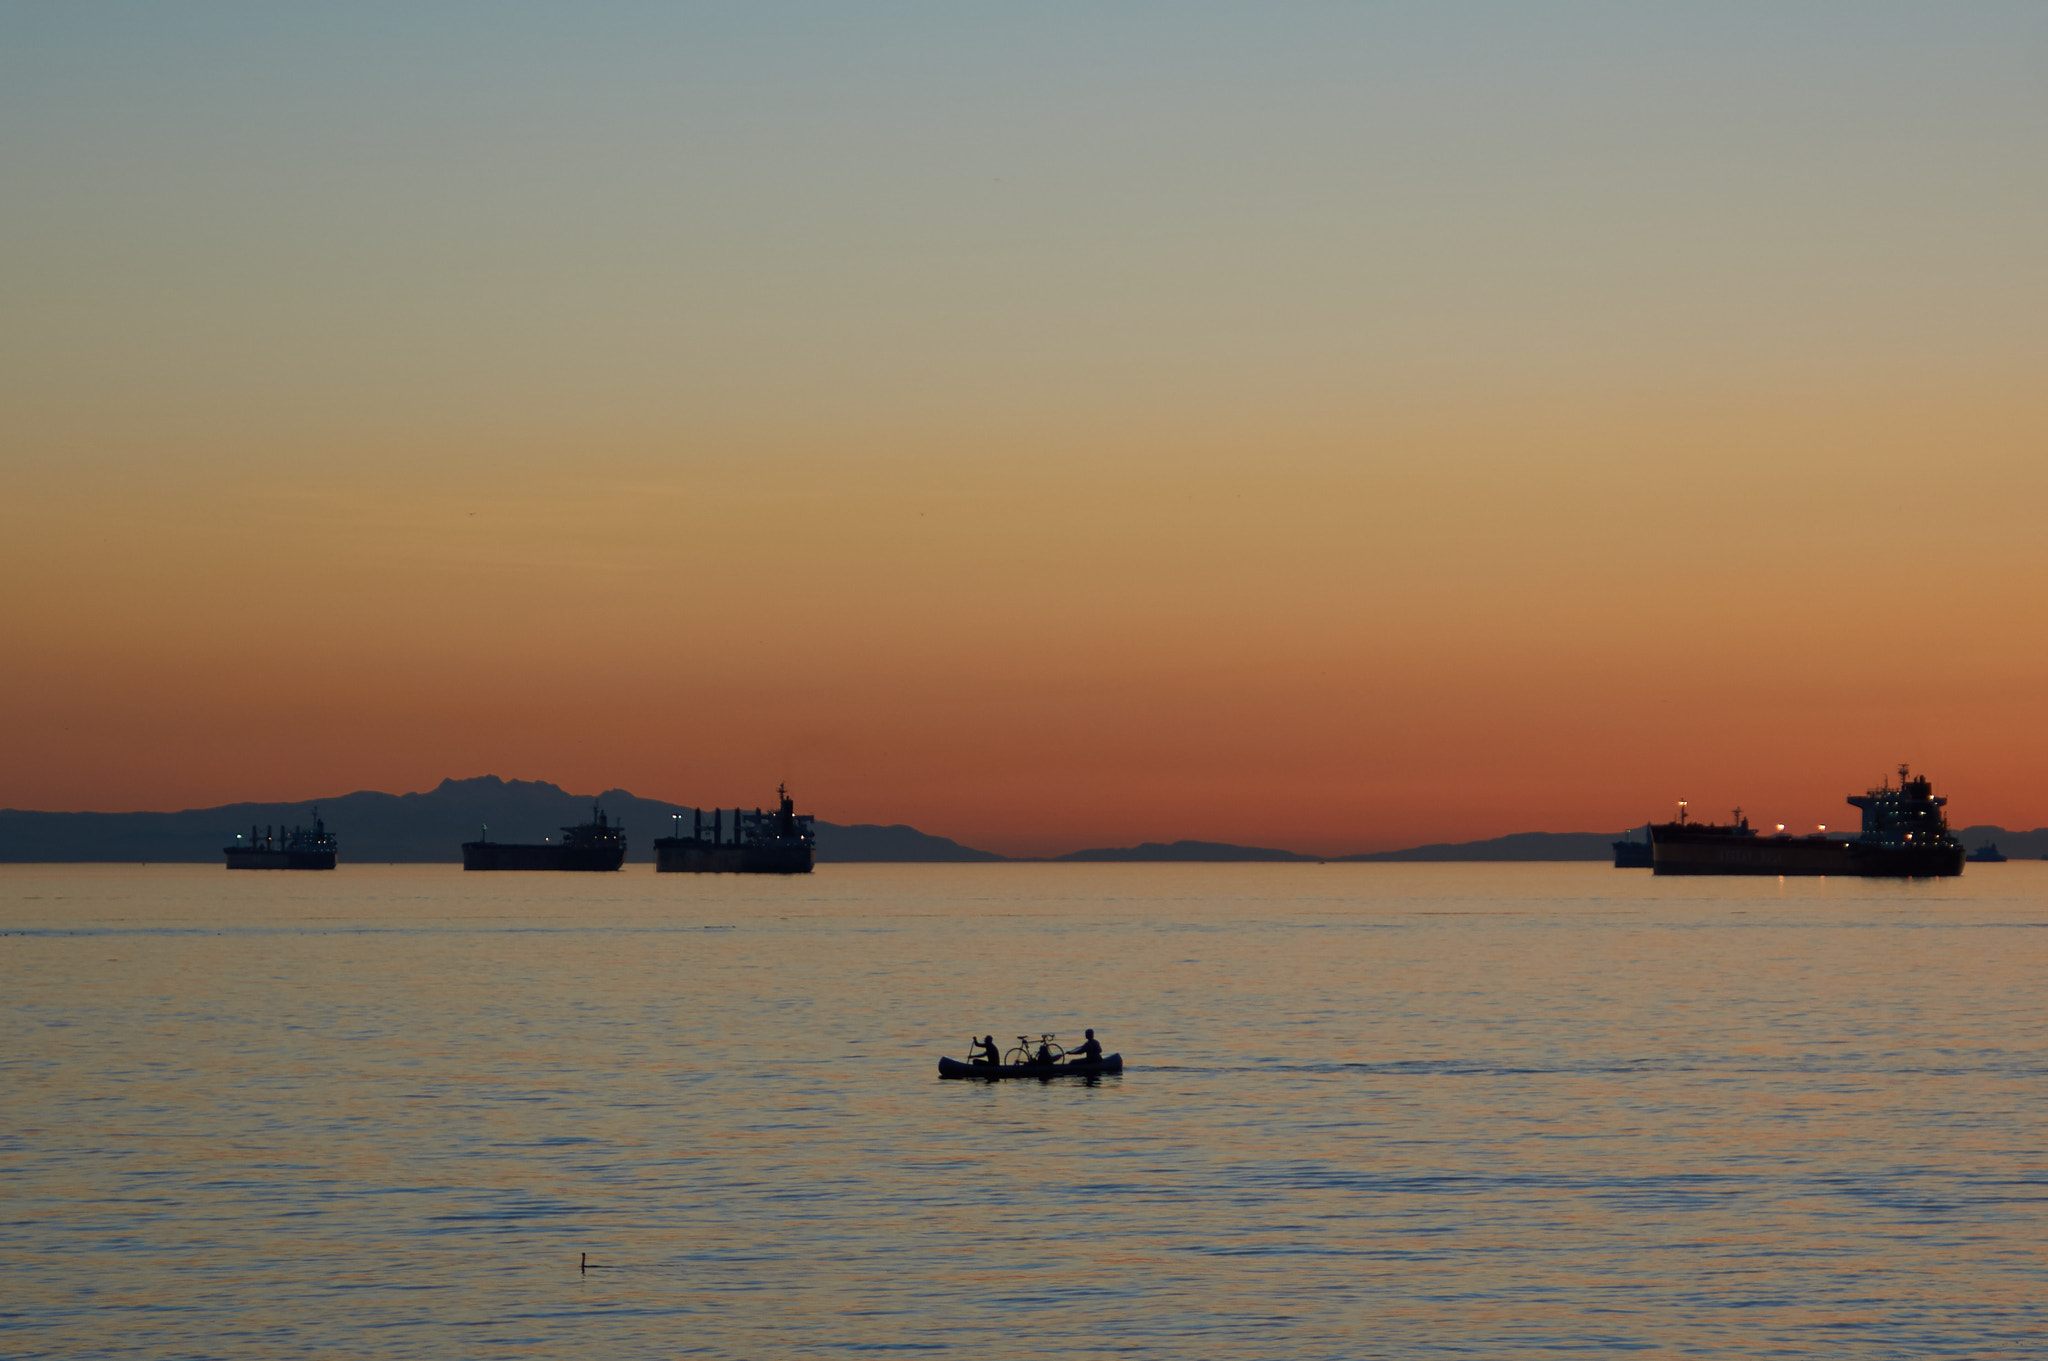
x=429, y=828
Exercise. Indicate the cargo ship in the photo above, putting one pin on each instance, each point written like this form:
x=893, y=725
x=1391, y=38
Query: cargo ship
x=1630, y=854
x=599, y=844
x=780, y=842
x=301, y=848
x=1905, y=836
x=1987, y=854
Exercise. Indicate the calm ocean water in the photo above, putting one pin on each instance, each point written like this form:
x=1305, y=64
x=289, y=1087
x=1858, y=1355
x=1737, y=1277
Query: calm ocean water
x=1370, y=1111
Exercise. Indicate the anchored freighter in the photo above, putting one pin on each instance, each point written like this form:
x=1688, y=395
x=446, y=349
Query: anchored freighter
x=1905, y=835
x=1631, y=854
x=299, y=849
x=780, y=842
x=598, y=844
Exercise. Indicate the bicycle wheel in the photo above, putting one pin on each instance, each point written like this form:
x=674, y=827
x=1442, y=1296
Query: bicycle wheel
x=1058, y=1054
x=1017, y=1057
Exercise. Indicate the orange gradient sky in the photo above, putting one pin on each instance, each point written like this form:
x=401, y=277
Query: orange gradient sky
x=1337, y=430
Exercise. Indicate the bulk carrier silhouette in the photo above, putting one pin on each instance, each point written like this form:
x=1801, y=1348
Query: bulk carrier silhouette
x=598, y=844
x=1631, y=854
x=781, y=842
x=1905, y=835
x=300, y=849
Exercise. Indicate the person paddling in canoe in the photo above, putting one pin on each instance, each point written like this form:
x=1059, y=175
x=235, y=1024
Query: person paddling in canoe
x=1088, y=1051
x=985, y=1053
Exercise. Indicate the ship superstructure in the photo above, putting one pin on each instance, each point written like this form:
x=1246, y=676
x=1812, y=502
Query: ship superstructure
x=781, y=842
x=1905, y=835
x=599, y=844
x=302, y=848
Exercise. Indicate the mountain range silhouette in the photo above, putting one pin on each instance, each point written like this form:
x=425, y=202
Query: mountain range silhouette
x=430, y=827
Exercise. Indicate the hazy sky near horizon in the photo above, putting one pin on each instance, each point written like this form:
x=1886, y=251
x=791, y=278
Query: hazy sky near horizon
x=1327, y=426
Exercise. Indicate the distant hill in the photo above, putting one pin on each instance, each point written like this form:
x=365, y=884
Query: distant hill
x=1519, y=846
x=2019, y=845
x=1183, y=850
x=414, y=828
x=865, y=842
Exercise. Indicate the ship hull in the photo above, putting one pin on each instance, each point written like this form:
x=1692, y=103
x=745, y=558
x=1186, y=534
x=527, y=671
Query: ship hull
x=278, y=860
x=506, y=855
x=1633, y=855
x=679, y=855
x=1683, y=854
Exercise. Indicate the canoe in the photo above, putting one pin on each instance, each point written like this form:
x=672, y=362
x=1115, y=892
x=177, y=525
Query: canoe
x=1111, y=1064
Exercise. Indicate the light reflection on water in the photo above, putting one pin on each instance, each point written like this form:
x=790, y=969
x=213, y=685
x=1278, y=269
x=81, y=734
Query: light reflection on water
x=1369, y=1111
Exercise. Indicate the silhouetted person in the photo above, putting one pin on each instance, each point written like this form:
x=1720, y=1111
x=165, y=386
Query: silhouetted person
x=1088, y=1051
x=986, y=1053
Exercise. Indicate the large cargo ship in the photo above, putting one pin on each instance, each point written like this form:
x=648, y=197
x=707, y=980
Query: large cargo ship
x=780, y=842
x=599, y=844
x=1905, y=836
x=302, y=848
x=1631, y=854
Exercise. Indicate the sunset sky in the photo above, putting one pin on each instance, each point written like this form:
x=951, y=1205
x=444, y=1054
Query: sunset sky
x=1326, y=426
